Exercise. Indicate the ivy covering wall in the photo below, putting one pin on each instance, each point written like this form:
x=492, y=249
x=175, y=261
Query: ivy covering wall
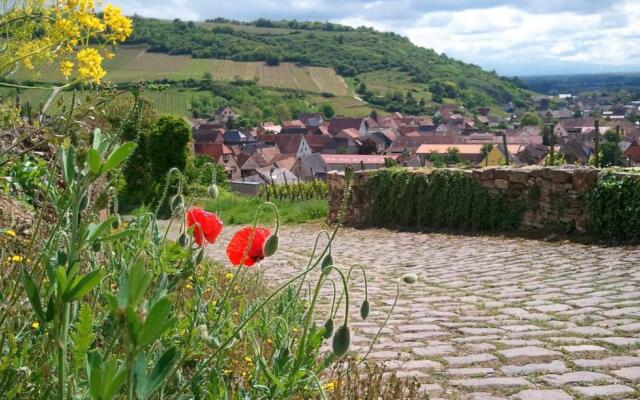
x=443, y=199
x=614, y=208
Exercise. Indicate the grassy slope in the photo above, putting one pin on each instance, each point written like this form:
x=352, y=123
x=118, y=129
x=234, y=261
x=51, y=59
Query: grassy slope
x=358, y=52
x=235, y=209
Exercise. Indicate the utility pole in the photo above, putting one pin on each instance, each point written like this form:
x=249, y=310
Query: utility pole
x=596, y=143
x=506, y=149
x=552, y=142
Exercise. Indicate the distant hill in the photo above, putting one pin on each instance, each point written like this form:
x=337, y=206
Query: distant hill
x=362, y=55
x=579, y=83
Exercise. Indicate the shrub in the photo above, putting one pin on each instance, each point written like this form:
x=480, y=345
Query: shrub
x=614, y=208
x=443, y=199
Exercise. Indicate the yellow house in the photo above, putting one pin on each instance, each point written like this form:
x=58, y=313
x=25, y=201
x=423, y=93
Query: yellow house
x=497, y=157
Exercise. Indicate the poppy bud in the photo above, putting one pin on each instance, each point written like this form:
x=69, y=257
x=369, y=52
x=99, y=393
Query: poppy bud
x=328, y=328
x=176, y=202
x=341, y=340
x=238, y=335
x=409, y=278
x=214, y=342
x=117, y=222
x=199, y=256
x=271, y=246
x=96, y=246
x=213, y=191
x=327, y=262
x=183, y=240
x=348, y=173
x=364, y=309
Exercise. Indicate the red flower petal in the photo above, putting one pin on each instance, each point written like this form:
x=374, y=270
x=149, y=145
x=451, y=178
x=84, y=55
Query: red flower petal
x=207, y=226
x=238, y=245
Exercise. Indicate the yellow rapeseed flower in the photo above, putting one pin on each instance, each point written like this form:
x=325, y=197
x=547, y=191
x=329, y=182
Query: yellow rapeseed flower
x=248, y=359
x=91, y=22
x=120, y=27
x=35, y=325
x=90, y=65
x=229, y=275
x=66, y=68
x=10, y=232
x=16, y=258
x=189, y=286
x=330, y=386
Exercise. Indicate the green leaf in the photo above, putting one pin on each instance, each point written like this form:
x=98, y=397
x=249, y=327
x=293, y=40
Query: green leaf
x=156, y=322
x=161, y=370
x=120, y=235
x=82, y=335
x=69, y=164
x=116, y=383
x=33, y=294
x=93, y=159
x=84, y=285
x=119, y=155
x=138, y=282
x=94, y=373
x=97, y=230
x=51, y=309
x=61, y=278
x=140, y=375
x=133, y=324
x=97, y=139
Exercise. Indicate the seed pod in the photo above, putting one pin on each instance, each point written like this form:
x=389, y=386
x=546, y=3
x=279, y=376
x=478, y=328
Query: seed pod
x=364, y=309
x=271, y=246
x=199, y=256
x=327, y=262
x=213, y=191
x=328, y=328
x=341, y=340
x=409, y=278
x=96, y=246
x=183, y=240
x=117, y=222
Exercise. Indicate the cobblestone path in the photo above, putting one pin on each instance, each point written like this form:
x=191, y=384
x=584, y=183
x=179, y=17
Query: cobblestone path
x=490, y=318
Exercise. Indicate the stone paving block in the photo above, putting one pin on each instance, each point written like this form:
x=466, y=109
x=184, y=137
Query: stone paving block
x=576, y=377
x=587, y=348
x=620, y=341
x=630, y=373
x=605, y=392
x=554, y=367
x=528, y=352
x=470, y=359
x=469, y=371
x=542, y=395
x=608, y=362
x=497, y=383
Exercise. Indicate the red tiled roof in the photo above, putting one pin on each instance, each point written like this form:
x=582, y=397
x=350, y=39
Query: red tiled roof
x=354, y=159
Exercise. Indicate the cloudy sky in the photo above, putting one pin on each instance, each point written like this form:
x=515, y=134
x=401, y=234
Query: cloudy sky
x=516, y=37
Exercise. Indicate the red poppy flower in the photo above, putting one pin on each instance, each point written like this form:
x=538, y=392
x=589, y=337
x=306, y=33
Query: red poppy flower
x=238, y=245
x=207, y=226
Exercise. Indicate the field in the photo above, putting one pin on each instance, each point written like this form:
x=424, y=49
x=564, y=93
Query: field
x=36, y=97
x=135, y=64
x=346, y=106
x=390, y=81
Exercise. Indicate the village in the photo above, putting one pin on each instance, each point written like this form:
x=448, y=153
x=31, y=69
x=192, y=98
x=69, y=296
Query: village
x=311, y=146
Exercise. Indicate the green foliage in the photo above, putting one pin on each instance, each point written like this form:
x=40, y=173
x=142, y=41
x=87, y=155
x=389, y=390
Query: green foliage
x=613, y=206
x=315, y=189
x=443, y=199
x=167, y=145
x=235, y=209
x=530, y=119
x=349, y=51
x=82, y=336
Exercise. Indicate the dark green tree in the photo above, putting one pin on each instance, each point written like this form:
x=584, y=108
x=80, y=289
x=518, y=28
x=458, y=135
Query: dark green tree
x=168, y=145
x=327, y=110
x=530, y=119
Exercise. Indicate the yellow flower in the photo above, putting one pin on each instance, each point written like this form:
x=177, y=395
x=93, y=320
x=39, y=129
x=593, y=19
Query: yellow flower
x=16, y=258
x=10, y=232
x=269, y=341
x=90, y=65
x=35, y=325
x=91, y=22
x=229, y=275
x=66, y=67
x=295, y=330
x=248, y=359
x=120, y=27
x=330, y=386
x=189, y=286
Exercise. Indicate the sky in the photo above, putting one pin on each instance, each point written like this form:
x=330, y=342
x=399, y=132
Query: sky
x=517, y=37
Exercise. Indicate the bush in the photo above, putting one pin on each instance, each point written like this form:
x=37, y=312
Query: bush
x=614, y=208
x=443, y=199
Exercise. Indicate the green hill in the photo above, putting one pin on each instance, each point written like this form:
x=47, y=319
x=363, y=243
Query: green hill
x=357, y=54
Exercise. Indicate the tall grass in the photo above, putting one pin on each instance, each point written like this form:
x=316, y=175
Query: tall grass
x=235, y=209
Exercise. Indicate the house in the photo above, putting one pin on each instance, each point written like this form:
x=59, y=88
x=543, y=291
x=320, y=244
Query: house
x=220, y=154
x=233, y=137
x=205, y=134
x=261, y=158
x=576, y=151
x=316, y=142
x=446, y=112
x=311, y=120
x=319, y=165
x=336, y=145
x=534, y=154
x=289, y=144
x=338, y=124
x=497, y=156
x=268, y=127
x=467, y=152
x=293, y=127
x=633, y=152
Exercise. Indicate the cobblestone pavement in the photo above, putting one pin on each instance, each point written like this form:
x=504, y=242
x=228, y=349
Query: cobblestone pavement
x=490, y=318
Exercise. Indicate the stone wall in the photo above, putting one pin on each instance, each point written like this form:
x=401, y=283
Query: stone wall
x=555, y=196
